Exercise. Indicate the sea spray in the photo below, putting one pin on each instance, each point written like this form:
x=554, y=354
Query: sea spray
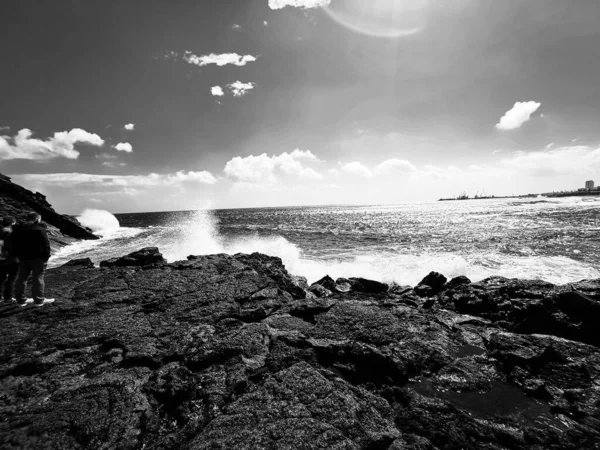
x=98, y=220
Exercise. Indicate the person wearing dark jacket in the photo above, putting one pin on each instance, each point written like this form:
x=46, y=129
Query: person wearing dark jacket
x=9, y=264
x=31, y=245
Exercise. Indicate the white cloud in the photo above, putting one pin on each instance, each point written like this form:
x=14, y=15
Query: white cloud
x=239, y=89
x=236, y=26
x=126, y=181
x=550, y=145
x=217, y=91
x=130, y=126
x=356, y=168
x=263, y=168
x=278, y=4
x=124, y=147
x=560, y=161
x=220, y=60
x=395, y=165
x=23, y=146
x=518, y=115
x=265, y=23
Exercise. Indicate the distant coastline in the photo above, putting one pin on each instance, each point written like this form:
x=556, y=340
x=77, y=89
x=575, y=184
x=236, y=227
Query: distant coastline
x=545, y=195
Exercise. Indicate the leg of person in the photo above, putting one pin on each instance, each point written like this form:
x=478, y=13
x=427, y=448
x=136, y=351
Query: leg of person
x=3, y=275
x=37, y=283
x=13, y=270
x=24, y=271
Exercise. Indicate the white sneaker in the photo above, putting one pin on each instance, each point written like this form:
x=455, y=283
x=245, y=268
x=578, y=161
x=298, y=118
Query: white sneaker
x=45, y=302
x=28, y=301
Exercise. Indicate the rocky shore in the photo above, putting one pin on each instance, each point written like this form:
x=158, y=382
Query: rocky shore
x=233, y=352
x=17, y=201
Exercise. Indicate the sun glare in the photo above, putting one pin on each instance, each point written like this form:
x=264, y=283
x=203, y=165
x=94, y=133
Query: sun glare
x=381, y=18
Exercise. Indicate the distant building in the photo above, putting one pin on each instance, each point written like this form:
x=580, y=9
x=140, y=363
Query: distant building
x=589, y=184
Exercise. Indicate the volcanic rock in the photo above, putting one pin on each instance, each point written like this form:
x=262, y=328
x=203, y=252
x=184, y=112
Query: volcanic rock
x=81, y=262
x=143, y=257
x=228, y=352
x=431, y=284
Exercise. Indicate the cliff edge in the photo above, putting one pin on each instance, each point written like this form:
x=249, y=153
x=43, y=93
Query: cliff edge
x=17, y=201
x=232, y=352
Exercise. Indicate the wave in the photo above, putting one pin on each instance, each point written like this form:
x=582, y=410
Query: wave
x=199, y=235
x=99, y=221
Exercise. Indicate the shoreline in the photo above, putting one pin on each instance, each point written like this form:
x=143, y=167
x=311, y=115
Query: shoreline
x=540, y=196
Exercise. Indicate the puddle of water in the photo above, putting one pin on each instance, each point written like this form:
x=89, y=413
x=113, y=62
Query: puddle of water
x=502, y=400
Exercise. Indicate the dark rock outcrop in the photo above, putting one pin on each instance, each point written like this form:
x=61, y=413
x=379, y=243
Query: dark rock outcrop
x=230, y=352
x=144, y=257
x=431, y=284
x=81, y=262
x=17, y=201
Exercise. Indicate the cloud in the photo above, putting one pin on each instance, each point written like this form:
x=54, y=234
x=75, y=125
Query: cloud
x=265, y=23
x=124, y=181
x=395, y=165
x=560, y=161
x=239, y=89
x=23, y=146
x=306, y=4
x=518, y=115
x=356, y=168
x=217, y=91
x=550, y=145
x=264, y=169
x=236, y=26
x=130, y=126
x=220, y=60
x=124, y=147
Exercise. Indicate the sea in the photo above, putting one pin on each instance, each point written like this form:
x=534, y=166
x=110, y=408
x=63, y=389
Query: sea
x=552, y=239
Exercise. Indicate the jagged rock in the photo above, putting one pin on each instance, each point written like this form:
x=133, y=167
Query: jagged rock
x=227, y=352
x=81, y=262
x=319, y=291
x=300, y=281
x=431, y=284
x=458, y=281
x=327, y=282
x=143, y=257
x=17, y=201
x=367, y=286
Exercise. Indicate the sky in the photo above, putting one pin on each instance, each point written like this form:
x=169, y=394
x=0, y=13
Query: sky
x=148, y=105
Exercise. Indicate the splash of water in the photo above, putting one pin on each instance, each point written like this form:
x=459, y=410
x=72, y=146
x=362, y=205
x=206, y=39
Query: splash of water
x=99, y=221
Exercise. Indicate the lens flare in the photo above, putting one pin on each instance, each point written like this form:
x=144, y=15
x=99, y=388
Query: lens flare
x=381, y=18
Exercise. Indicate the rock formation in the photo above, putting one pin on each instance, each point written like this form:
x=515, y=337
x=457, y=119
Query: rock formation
x=17, y=201
x=230, y=352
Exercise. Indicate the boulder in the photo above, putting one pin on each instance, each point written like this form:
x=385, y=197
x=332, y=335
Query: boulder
x=458, y=281
x=327, y=282
x=319, y=291
x=430, y=285
x=81, y=262
x=367, y=286
x=143, y=257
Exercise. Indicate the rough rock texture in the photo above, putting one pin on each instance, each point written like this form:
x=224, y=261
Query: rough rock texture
x=229, y=352
x=17, y=201
x=144, y=257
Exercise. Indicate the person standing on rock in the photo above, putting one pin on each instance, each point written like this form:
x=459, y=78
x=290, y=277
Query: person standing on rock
x=9, y=264
x=32, y=247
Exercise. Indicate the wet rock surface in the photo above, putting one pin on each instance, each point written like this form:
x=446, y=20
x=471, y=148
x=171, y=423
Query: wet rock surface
x=17, y=201
x=222, y=352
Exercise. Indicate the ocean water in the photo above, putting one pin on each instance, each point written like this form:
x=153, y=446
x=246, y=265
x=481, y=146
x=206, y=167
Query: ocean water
x=556, y=240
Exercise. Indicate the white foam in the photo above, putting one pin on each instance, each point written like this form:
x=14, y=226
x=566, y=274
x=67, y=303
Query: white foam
x=199, y=236
x=99, y=221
